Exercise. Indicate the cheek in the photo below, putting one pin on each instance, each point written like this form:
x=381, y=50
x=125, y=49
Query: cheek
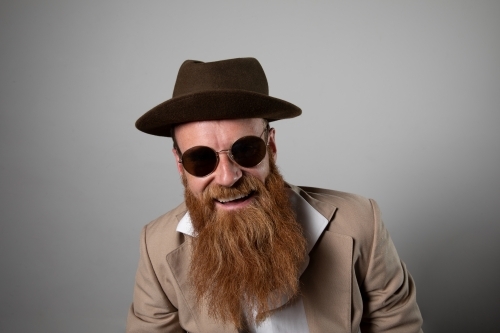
x=196, y=185
x=261, y=172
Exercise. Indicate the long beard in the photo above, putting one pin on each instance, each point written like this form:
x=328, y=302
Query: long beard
x=247, y=260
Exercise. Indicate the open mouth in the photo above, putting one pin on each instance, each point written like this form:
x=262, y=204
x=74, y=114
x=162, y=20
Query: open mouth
x=235, y=199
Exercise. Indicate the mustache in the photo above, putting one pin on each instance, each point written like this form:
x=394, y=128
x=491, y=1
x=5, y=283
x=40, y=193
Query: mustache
x=245, y=186
x=242, y=187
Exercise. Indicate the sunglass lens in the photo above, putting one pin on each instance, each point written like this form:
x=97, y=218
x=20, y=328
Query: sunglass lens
x=199, y=161
x=249, y=151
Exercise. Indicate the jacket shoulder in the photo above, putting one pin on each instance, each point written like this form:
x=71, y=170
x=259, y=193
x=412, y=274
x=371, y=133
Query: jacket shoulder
x=383, y=292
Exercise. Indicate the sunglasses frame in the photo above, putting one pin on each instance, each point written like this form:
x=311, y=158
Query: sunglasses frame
x=228, y=152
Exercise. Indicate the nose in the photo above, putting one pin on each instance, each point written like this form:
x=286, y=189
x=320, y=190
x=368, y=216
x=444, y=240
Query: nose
x=227, y=172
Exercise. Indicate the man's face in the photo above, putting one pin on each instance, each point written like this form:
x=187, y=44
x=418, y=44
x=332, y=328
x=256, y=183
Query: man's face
x=220, y=135
x=249, y=247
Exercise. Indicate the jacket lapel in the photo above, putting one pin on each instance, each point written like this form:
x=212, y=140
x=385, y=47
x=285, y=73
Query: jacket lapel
x=326, y=283
x=192, y=317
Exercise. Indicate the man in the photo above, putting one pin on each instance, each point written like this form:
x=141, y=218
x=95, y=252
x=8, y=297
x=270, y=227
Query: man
x=247, y=252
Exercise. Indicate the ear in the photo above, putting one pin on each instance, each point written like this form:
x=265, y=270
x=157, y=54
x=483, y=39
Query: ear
x=272, y=144
x=178, y=161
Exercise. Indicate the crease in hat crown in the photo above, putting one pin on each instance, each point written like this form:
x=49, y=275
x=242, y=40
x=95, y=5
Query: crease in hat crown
x=225, y=89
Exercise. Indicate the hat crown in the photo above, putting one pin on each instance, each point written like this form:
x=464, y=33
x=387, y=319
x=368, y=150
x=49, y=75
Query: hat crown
x=233, y=74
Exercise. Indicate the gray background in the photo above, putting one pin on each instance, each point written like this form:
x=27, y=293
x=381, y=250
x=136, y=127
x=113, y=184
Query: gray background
x=400, y=99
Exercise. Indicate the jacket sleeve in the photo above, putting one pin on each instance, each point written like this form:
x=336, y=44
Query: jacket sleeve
x=389, y=294
x=151, y=310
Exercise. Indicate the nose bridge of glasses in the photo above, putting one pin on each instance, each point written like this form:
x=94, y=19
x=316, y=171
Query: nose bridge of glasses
x=227, y=171
x=223, y=151
x=227, y=152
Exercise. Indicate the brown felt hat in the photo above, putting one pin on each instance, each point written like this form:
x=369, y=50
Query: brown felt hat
x=226, y=89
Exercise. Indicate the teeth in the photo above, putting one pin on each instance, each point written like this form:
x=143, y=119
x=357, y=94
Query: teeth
x=232, y=198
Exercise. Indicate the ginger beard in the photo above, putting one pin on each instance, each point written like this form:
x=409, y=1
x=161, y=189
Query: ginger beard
x=248, y=259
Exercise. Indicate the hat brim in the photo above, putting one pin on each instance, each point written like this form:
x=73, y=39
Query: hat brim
x=213, y=105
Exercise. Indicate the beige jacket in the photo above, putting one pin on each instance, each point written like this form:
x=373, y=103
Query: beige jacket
x=354, y=281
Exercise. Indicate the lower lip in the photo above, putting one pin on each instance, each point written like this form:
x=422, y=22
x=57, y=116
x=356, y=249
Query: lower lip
x=237, y=204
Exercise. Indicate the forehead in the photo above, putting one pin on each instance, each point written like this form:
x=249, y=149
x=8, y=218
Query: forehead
x=216, y=133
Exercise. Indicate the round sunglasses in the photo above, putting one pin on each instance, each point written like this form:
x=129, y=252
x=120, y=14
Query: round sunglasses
x=248, y=151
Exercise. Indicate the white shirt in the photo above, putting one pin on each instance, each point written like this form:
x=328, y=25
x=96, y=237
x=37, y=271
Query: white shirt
x=291, y=319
